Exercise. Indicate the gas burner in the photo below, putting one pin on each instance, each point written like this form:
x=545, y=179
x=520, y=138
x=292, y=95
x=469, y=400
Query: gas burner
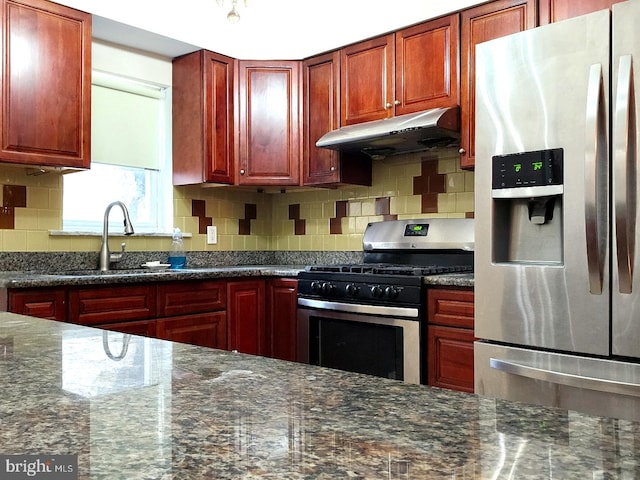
x=390, y=269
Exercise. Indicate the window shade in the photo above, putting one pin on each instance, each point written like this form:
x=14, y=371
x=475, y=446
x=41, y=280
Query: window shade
x=125, y=122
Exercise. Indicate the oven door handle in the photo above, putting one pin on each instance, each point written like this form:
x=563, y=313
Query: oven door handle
x=400, y=312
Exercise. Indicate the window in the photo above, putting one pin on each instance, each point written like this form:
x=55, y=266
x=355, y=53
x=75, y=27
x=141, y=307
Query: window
x=130, y=128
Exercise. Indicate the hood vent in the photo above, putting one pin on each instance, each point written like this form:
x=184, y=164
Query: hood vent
x=414, y=132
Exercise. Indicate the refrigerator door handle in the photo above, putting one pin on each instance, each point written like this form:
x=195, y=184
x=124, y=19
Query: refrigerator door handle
x=596, y=179
x=624, y=161
x=569, y=379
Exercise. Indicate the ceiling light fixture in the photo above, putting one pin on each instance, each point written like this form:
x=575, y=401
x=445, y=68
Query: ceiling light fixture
x=233, y=16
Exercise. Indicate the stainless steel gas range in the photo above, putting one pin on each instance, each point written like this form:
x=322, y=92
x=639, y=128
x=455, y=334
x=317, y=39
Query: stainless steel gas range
x=369, y=318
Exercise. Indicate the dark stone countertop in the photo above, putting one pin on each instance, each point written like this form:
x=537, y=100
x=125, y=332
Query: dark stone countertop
x=174, y=411
x=18, y=279
x=138, y=275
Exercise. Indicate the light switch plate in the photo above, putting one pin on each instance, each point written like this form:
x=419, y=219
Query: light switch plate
x=212, y=235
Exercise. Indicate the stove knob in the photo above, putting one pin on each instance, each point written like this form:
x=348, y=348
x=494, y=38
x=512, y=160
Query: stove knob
x=351, y=289
x=316, y=286
x=377, y=291
x=391, y=292
x=327, y=288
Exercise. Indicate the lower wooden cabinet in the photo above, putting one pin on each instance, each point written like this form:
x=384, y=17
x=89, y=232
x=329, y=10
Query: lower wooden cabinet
x=450, y=338
x=245, y=310
x=49, y=303
x=250, y=315
x=281, y=320
x=204, y=329
x=96, y=305
x=145, y=328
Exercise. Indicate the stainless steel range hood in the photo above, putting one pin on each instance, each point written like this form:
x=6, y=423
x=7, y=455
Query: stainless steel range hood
x=413, y=132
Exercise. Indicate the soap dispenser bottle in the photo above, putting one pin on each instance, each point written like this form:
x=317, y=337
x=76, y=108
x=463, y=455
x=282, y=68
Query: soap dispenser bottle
x=177, y=256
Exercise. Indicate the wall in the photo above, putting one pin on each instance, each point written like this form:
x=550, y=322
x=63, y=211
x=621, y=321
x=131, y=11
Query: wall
x=406, y=186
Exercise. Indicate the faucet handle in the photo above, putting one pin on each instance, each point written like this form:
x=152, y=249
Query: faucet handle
x=116, y=257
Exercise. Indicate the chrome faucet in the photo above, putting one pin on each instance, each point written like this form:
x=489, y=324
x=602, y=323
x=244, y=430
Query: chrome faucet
x=106, y=258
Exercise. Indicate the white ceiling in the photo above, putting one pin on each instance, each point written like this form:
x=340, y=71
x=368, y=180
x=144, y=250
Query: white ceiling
x=268, y=29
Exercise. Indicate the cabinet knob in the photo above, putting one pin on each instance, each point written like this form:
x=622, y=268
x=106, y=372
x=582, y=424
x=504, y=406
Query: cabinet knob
x=333, y=169
x=242, y=171
x=396, y=102
x=462, y=151
x=388, y=105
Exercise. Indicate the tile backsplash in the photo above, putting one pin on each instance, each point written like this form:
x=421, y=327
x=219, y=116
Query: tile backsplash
x=419, y=185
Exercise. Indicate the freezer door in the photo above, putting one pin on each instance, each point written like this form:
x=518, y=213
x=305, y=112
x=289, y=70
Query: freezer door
x=545, y=284
x=590, y=385
x=625, y=141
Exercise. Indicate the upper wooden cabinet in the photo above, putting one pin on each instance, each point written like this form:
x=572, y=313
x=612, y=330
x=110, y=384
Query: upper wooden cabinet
x=203, y=131
x=556, y=10
x=414, y=69
x=45, y=116
x=480, y=24
x=321, y=114
x=268, y=123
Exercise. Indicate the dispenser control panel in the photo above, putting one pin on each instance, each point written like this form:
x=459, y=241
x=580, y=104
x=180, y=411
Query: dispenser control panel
x=540, y=168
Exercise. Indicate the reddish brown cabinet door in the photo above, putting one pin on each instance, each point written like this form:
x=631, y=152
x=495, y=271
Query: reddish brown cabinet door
x=321, y=107
x=203, y=128
x=245, y=317
x=450, y=339
x=427, y=74
x=367, y=73
x=50, y=303
x=268, y=123
x=186, y=297
x=203, y=329
x=281, y=319
x=480, y=24
x=46, y=84
x=557, y=10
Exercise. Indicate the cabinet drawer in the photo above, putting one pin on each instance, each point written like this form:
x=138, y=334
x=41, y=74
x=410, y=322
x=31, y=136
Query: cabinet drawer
x=452, y=308
x=182, y=298
x=111, y=304
x=41, y=303
x=204, y=329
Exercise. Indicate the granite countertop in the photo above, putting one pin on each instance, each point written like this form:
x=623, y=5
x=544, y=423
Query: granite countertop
x=163, y=410
x=138, y=275
x=18, y=279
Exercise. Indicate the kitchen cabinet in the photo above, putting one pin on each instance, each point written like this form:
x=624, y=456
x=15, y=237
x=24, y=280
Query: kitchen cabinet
x=269, y=146
x=49, y=303
x=203, y=126
x=281, y=317
x=558, y=10
x=246, y=318
x=480, y=24
x=45, y=117
x=146, y=328
x=411, y=70
x=193, y=312
x=97, y=305
x=204, y=329
x=321, y=107
x=450, y=338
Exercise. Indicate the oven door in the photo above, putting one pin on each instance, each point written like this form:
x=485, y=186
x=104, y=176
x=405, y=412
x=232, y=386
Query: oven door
x=386, y=347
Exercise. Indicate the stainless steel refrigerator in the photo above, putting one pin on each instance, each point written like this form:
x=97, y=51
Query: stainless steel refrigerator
x=557, y=274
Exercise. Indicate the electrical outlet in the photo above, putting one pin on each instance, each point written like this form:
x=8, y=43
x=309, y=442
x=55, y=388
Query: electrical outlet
x=212, y=235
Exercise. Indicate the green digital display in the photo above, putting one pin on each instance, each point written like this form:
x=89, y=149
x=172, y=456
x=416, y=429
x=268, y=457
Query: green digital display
x=416, y=230
x=528, y=169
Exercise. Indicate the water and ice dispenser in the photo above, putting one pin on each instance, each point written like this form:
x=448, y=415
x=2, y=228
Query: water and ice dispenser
x=527, y=191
